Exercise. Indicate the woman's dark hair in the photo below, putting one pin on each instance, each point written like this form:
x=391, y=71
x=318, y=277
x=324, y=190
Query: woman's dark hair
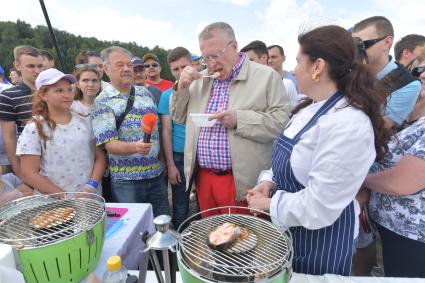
x=359, y=86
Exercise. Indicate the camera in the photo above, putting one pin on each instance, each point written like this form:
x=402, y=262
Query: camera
x=417, y=71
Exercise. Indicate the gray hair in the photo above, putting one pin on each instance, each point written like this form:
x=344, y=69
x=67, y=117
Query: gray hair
x=106, y=52
x=223, y=28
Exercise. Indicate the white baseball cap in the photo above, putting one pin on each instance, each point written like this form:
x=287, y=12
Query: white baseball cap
x=52, y=76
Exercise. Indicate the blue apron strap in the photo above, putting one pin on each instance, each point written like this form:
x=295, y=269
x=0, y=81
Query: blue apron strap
x=325, y=107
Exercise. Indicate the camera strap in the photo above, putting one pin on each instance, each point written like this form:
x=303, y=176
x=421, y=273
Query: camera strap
x=130, y=102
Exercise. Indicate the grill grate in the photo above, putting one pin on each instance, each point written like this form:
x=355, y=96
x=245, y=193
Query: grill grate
x=271, y=253
x=14, y=221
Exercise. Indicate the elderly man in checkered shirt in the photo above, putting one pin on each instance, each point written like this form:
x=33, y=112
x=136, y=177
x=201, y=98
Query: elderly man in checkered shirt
x=246, y=99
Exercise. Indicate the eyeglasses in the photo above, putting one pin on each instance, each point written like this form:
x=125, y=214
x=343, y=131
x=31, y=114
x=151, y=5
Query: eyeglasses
x=417, y=71
x=215, y=57
x=85, y=66
x=153, y=65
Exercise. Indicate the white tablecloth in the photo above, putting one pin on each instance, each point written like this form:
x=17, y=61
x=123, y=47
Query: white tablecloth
x=127, y=242
x=331, y=278
x=302, y=278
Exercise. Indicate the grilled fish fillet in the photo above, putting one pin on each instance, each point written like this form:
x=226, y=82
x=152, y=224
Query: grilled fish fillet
x=51, y=218
x=223, y=236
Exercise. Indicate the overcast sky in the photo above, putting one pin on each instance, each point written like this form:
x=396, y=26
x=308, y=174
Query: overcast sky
x=171, y=23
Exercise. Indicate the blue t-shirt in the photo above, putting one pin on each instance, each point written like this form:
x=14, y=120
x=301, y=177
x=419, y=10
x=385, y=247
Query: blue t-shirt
x=401, y=102
x=178, y=131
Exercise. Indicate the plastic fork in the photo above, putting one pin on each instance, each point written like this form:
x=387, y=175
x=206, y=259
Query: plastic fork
x=214, y=76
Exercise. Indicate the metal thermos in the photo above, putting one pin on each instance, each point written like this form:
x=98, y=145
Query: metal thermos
x=163, y=240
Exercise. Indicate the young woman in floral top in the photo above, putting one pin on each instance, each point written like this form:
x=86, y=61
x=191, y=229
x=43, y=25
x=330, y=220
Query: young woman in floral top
x=57, y=147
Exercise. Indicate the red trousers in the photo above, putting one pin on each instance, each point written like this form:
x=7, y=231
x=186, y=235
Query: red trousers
x=216, y=190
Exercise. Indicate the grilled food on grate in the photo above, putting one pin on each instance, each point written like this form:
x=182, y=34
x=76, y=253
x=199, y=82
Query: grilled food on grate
x=223, y=236
x=227, y=236
x=52, y=218
x=246, y=241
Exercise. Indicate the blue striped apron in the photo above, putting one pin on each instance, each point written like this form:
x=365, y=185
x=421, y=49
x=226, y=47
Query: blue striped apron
x=326, y=250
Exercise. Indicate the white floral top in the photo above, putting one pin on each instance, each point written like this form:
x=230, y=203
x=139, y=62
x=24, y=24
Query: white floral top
x=404, y=215
x=67, y=158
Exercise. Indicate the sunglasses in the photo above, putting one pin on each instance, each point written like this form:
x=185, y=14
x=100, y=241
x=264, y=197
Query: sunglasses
x=153, y=65
x=360, y=55
x=85, y=66
x=417, y=71
x=369, y=43
x=91, y=53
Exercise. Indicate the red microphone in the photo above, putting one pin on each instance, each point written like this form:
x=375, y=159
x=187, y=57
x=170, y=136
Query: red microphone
x=148, y=124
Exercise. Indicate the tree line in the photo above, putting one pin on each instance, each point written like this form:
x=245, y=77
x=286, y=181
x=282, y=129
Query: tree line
x=20, y=33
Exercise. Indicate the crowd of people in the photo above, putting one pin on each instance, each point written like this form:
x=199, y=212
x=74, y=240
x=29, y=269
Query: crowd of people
x=334, y=150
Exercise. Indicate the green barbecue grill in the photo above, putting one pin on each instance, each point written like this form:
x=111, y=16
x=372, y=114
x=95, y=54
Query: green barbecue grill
x=63, y=253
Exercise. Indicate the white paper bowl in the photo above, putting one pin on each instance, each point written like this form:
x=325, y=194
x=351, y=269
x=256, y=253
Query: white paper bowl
x=201, y=120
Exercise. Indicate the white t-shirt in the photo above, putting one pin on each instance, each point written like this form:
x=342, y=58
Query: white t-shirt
x=68, y=158
x=331, y=160
x=80, y=108
x=291, y=92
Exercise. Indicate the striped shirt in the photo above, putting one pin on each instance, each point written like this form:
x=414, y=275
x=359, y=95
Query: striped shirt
x=213, y=143
x=16, y=105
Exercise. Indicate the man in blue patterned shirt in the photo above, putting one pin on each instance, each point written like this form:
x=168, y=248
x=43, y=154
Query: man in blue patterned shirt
x=137, y=173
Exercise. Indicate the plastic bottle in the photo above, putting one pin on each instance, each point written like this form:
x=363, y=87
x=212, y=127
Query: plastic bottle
x=116, y=272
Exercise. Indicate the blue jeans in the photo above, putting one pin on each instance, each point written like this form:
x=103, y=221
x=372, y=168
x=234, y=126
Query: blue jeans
x=179, y=194
x=153, y=191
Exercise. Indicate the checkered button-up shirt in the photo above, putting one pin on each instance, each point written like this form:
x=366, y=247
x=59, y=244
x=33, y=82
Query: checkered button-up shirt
x=213, y=144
